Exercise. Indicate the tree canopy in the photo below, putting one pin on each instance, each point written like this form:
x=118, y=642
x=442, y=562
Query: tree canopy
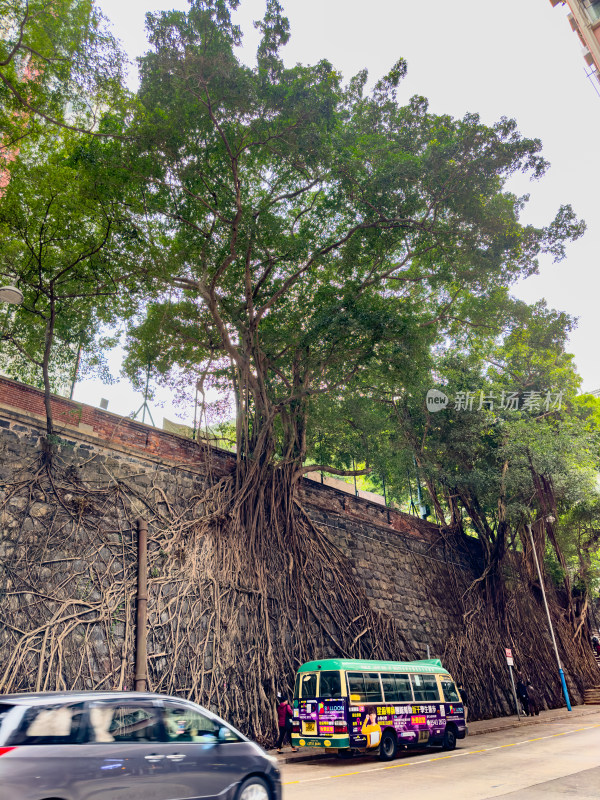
x=307, y=223
x=67, y=242
x=59, y=65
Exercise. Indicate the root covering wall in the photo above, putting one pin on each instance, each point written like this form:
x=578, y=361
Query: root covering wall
x=68, y=578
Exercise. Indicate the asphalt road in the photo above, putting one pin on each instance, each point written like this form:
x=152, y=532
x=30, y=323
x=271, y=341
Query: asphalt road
x=558, y=759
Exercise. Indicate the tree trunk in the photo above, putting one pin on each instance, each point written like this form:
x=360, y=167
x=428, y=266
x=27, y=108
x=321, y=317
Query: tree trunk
x=48, y=339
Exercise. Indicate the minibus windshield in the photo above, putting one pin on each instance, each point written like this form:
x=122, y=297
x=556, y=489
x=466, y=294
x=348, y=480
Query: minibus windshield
x=449, y=689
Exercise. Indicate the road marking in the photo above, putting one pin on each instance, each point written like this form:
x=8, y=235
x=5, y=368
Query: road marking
x=437, y=758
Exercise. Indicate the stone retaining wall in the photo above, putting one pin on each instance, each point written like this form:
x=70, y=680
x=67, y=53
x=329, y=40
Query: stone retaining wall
x=410, y=569
x=405, y=564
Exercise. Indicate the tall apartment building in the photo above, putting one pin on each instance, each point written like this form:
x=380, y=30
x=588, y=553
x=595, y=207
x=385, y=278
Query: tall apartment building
x=584, y=17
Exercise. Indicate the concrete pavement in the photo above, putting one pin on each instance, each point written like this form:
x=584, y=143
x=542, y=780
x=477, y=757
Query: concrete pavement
x=480, y=727
x=552, y=757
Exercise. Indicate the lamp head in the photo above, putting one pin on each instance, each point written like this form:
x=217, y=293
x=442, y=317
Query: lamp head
x=10, y=294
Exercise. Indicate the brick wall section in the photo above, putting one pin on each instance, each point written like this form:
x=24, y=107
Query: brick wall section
x=112, y=431
x=70, y=417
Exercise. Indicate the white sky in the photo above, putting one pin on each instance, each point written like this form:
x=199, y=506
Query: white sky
x=515, y=58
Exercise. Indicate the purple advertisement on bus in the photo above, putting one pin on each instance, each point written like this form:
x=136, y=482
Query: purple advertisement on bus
x=414, y=723
x=322, y=717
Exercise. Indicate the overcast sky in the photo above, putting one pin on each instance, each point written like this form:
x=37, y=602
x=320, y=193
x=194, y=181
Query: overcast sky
x=516, y=58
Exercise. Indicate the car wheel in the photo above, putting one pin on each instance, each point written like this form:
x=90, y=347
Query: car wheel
x=253, y=788
x=388, y=747
x=449, y=739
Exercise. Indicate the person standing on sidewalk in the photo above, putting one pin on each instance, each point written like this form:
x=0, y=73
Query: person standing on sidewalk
x=534, y=699
x=465, y=698
x=523, y=695
x=284, y=720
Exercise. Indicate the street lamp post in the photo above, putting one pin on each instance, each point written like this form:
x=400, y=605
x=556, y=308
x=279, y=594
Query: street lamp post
x=539, y=572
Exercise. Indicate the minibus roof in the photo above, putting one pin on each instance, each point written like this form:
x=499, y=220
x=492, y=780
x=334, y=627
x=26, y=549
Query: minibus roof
x=362, y=665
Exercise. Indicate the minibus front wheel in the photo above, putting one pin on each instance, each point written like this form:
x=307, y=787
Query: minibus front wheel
x=449, y=738
x=388, y=746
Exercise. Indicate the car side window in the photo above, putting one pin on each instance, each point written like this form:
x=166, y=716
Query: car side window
x=55, y=724
x=396, y=688
x=331, y=684
x=366, y=686
x=124, y=722
x=187, y=724
x=425, y=688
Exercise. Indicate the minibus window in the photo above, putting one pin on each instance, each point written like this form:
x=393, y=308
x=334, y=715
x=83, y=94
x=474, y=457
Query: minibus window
x=297, y=688
x=308, y=684
x=425, y=688
x=396, y=688
x=366, y=685
x=331, y=685
x=450, y=693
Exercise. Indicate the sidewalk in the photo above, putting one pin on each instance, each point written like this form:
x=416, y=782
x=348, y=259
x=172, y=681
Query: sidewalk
x=475, y=729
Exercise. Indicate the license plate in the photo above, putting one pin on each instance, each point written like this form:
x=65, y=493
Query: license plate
x=423, y=736
x=309, y=727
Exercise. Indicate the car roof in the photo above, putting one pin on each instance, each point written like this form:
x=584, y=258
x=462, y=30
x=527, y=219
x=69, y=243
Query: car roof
x=45, y=698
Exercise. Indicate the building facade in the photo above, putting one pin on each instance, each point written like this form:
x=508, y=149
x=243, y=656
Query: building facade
x=584, y=16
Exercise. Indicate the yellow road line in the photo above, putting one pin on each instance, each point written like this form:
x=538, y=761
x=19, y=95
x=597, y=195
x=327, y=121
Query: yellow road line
x=438, y=758
x=345, y=774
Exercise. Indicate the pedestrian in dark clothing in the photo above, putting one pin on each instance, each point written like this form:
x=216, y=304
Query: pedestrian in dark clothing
x=464, y=696
x=534, y=700
x=523, y=695
x=284, y=720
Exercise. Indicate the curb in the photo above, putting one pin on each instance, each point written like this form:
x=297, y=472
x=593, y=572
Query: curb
x=292, y=758
x=496, y=725
x=493, y=726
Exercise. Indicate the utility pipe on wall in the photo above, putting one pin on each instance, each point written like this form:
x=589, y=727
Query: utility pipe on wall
x=141, y=622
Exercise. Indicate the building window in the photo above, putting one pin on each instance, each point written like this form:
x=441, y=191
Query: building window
x=593, y=9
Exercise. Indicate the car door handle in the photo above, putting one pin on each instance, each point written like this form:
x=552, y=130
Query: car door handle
x=153, y=757
x=176, y=757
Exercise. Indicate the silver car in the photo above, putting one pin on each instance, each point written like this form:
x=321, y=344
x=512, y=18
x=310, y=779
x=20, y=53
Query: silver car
x=126, y=746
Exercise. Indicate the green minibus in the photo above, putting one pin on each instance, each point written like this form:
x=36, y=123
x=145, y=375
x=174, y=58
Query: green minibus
x=377, y=706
